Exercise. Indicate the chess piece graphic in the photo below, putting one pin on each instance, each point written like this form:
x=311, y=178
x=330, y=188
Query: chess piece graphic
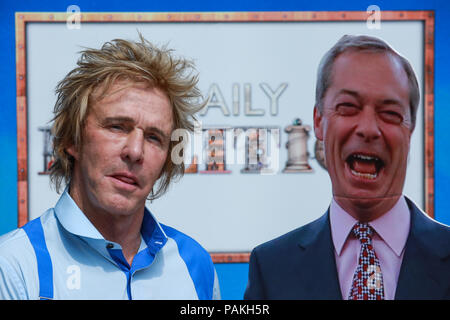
x=297, y=148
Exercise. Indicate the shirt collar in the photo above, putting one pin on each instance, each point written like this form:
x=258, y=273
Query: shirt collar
x=341, y=225
x=392, y=227
x=75, y=221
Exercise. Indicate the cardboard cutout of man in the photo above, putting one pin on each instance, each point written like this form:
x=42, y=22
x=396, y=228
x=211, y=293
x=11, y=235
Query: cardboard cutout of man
x=373, y=242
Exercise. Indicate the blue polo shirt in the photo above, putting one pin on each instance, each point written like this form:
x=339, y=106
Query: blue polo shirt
x=61, y=255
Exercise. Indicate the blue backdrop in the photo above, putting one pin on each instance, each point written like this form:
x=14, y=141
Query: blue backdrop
x=233, y=277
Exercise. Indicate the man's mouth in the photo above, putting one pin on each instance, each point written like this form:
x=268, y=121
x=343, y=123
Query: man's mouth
x=126, y=178
x=365, y=166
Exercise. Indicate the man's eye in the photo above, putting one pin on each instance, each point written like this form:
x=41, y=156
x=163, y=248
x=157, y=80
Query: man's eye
x=392, y=117
x=116, y=127
x=347, y=109
x=153, y=137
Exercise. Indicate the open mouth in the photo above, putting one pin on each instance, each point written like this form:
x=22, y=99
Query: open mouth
x=365, y=166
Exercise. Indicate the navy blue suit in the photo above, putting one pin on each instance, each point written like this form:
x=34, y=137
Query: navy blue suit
x=301, y=263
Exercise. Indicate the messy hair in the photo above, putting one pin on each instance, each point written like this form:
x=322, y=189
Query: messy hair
x=139, y=61
x=364, y=44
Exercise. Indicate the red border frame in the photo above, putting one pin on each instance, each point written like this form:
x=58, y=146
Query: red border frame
x=22, y=18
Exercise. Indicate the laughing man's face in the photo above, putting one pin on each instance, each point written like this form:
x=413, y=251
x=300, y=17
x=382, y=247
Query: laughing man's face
x=365, y=124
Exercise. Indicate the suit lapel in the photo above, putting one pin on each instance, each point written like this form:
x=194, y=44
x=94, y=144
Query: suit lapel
x=423, y=266
x=317, y=265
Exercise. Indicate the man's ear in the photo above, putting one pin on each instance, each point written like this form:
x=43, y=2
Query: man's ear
x=318, y=123
x=73, y=151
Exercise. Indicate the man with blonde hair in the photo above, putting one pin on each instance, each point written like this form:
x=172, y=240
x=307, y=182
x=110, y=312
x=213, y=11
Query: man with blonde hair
x=113, y=120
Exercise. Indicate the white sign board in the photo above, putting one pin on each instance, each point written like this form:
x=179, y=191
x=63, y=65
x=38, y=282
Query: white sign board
x=259, y=75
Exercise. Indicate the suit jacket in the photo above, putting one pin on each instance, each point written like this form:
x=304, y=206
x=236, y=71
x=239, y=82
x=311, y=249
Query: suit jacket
x=301, y=264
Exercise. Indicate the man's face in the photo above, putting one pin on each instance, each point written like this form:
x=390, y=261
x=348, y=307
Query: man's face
x=366, y=129
x=125, y=144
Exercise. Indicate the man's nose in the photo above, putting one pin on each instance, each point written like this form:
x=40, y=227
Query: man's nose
x=133, y=149
x=368, y=127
